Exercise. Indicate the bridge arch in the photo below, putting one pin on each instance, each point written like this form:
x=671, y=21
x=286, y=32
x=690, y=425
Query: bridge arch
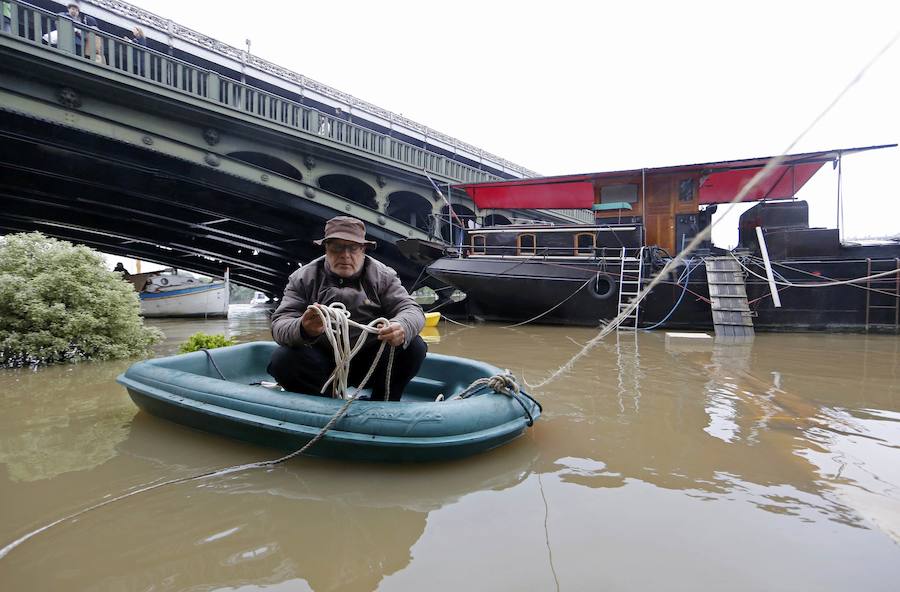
x=351, y=188
x=465, y=215
x=411, y=208
x=496, y=220
x=269, y=162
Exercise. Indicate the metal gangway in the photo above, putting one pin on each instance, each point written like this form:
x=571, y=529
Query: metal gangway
x=728, y=297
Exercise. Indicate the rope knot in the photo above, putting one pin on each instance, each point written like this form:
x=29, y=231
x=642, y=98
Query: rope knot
x=504, y=384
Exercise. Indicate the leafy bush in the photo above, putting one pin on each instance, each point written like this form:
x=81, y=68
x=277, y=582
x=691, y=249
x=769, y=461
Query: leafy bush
x=59, y=303
x=199, y=341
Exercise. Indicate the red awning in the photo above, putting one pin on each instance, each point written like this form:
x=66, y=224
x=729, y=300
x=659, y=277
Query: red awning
x=720, y=182
x=782, y=182
x=574, y=194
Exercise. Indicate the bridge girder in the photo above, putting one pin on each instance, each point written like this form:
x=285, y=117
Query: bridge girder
x=137, y=169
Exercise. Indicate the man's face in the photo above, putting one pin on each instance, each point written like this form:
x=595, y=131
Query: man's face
x=74, y=11
x=345, y=258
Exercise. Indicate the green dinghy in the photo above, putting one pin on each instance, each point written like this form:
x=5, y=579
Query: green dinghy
x=188, y=389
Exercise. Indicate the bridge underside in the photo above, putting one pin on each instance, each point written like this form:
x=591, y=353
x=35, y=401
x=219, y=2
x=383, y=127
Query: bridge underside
x=128, y=201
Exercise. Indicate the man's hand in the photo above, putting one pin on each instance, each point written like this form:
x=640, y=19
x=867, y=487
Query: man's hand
x=393, y=333
x=312, y=322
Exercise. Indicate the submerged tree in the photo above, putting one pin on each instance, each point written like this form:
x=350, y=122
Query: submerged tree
x=59, y=303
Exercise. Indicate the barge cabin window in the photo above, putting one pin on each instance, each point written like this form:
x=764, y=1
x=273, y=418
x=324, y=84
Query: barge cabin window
x=584, y=243
x=526, y=245
x=625, y=193
x=478, y=244
x=686, y=190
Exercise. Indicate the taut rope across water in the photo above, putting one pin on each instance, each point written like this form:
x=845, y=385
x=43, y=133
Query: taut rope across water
x=704, y=234
x=337, y=326
x=337, y=323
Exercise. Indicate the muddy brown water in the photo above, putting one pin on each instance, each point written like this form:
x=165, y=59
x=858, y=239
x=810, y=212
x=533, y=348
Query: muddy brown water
x=658, y=464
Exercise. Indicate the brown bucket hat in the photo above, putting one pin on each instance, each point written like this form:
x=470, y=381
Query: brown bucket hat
x=346, y=228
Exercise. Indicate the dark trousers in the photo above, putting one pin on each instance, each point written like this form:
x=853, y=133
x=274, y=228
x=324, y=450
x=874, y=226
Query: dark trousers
x=305, y=369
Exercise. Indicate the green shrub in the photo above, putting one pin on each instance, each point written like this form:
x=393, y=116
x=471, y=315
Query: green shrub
x=59, y=303
x=199, y=341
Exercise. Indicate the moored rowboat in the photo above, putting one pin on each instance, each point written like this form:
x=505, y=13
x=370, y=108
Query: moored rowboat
x=188, y=389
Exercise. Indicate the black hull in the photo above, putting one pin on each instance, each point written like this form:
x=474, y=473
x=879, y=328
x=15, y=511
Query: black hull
x=513, y=291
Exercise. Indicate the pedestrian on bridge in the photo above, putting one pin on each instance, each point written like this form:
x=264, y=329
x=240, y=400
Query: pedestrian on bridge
x=73, y=11
x=369, y=290
x=139, y=39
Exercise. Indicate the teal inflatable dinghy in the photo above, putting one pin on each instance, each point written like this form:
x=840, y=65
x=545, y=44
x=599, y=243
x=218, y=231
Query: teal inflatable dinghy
x=188, y=389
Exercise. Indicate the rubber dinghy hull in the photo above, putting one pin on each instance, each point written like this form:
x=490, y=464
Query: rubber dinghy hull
x=187, y=389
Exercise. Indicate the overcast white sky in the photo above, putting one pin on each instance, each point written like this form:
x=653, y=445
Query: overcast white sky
x=565, y=87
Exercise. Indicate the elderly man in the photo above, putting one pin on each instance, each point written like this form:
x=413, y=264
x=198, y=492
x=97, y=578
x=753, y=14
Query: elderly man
x=369, y=290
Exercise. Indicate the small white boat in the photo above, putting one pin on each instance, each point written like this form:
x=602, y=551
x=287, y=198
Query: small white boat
x=167, y=293
x=259, y=299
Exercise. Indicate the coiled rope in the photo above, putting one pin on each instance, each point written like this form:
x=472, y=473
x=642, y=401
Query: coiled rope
x=336, y=319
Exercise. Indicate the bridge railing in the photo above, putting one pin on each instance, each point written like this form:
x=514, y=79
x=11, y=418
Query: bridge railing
x=59, y=33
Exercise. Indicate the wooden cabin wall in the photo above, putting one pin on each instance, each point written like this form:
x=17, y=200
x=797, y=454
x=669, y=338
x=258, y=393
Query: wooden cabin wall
x=662, y=202
x=659, y=212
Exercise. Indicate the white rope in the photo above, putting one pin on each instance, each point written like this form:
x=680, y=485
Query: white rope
x=504, y=383
x=704, y=234
x=336, y=319
x=546, y=312
x=448, y=319
x=828, y=284
x=337, y=324
x=337, y=332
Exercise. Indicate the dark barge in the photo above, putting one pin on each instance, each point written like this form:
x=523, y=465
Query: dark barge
x=586, y=274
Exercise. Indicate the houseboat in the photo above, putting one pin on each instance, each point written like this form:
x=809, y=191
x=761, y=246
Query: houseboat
x=783, y=274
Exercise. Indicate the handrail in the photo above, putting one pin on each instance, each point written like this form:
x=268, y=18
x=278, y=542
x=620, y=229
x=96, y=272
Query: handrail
x=188, y=35
x=35, y=26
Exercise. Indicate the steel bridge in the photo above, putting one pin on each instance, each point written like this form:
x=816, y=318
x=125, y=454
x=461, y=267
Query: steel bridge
x=175, y=153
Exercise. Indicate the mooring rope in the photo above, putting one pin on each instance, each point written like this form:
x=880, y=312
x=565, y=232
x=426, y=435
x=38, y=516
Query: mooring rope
x=554, y=307
x=337, y=323
x=831, y=283
x=706, y=232
x=505, y=384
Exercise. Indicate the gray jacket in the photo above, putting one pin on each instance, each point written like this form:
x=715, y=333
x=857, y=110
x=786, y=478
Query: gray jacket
x=374, y=292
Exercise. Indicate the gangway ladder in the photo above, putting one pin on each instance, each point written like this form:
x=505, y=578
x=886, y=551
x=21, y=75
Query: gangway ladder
x=883, y=294
x=728, y=297
x=630, y=280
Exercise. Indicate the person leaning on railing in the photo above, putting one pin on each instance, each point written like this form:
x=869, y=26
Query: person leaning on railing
x=73, y=11
x=138, y=38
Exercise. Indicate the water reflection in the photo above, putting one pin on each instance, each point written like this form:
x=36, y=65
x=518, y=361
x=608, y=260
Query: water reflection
x=47, y=432
x=308, y=524
x=650, y=450
x=712, y=419
x=628, y=366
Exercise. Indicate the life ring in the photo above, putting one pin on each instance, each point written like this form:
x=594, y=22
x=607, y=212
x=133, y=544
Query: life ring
x=163, y=281
x=597, y=290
